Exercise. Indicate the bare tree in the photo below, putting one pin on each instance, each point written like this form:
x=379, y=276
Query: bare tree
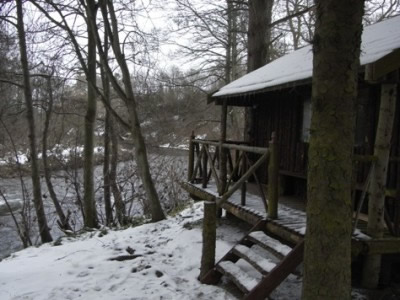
x=89, y=201
x=63, y=219
x=127, y=95
x=37, y=194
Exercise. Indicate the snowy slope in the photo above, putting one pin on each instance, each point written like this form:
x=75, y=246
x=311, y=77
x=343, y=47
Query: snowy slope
x=166, y=267
x=82, y=269
x=378, y=40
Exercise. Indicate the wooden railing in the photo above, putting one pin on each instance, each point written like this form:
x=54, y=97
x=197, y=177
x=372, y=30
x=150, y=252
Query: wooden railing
x=230, y=165
x=392, y=216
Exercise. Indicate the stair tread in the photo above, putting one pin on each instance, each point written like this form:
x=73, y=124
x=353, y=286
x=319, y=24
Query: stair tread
x=262, y=264
x=242, y=280
x=269, y=243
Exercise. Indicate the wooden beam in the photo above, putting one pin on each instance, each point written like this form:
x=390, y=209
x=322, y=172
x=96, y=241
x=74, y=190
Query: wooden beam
x=382, y=67
x=241, y=213
x=222, y=152
x=383, y=246
x=283, y=233
x=204, y=163
x=197, y=192
x=212, y=167
x=191, y=157
x=273, y=175
x=246, y=176
x=209, y=238
x=392, y=193
x=364, y=158
x=258, y=150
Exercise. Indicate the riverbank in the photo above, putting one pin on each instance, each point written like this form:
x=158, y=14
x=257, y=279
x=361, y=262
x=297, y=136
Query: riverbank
x=167, y=167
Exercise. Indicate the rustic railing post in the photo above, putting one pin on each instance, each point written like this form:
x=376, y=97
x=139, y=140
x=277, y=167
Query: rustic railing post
x=273, y=174
x=243, y=187
x=209, y=238
x=222, y=151
x=205, y=173
x=191, y=158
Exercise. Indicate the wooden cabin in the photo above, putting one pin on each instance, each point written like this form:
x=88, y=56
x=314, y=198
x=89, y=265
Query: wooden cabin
x=235, y=174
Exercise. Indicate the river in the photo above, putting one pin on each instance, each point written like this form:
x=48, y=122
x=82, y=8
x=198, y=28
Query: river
x=167, y=167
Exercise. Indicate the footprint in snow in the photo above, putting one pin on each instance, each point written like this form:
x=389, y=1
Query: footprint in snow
x=159, y=274
x=83, y=274
x=140, y=268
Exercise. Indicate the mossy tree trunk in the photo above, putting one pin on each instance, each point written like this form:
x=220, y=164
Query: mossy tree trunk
x=336, y=47
x=376, y=205
x=37, y=194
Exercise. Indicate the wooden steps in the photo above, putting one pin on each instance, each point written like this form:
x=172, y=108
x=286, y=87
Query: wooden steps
x=261, y=264
x=271, y=273
x=242, y=280
x=270, y=244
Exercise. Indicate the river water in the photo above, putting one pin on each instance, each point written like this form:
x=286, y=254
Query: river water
x=167, y=168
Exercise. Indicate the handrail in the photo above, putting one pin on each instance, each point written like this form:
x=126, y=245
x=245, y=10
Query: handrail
x=257, y=150
x=246, y=176
x=206, y=160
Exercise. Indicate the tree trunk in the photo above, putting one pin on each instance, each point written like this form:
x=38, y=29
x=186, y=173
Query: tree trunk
x=63, y=222
x=120, y=207
x=228, y=48
x=258, y=41
x=327, y=259
x=37, y=194
x=376, y=205
x=107, y=155
x=107, y=140
x=89, y=201
x=128, y=96
x=259, y=33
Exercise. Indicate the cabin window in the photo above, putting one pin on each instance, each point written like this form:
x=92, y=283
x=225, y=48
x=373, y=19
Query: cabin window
x=305, y=129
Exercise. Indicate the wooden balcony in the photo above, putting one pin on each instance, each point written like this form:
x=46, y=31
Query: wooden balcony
x=227, y=173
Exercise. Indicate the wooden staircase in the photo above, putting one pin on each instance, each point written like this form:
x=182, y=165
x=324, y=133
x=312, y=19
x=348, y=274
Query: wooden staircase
x=272, y=274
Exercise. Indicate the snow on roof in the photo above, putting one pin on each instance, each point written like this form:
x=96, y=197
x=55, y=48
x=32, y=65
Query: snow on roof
x=378, y=40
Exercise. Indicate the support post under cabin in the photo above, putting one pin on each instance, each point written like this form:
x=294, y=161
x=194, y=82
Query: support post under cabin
x=273, y=175
x=222, y=152
x=376, y=204
x=209, y=238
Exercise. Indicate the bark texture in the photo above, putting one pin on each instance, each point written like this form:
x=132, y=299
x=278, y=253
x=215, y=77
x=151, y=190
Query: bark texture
x=336, y=46
x=107, y=151
x=258, y=40
x=37, y=194
x=89, y=202
x=259, y=33
x=376, y=205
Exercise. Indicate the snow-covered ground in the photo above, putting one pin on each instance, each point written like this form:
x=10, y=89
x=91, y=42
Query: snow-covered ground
x=152, y=261
x=167, y=265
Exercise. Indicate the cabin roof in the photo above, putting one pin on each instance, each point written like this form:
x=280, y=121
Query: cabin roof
x=378, y=41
